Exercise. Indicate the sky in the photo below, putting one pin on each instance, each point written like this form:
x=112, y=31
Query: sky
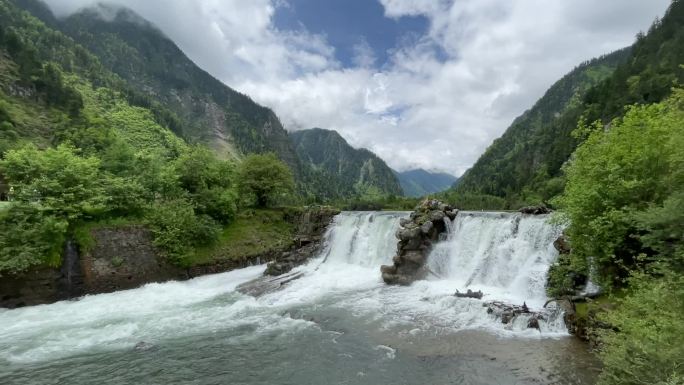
x=422, y=83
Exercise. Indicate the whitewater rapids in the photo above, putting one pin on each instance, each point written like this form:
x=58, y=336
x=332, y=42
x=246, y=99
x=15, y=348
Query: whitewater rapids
x=337, y=323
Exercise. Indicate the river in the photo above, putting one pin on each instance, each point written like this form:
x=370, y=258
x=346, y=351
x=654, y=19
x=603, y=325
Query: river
x=337, y=324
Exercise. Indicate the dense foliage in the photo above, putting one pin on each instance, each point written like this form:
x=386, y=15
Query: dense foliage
x=624, y=193
x=624, y=200
x=264, y=180
x=75, y=150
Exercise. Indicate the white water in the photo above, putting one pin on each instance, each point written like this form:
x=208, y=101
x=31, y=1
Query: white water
x=506, y=255
x=483, y=252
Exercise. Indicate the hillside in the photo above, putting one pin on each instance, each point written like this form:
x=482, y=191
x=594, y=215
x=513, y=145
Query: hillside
x=348, y=171
x=419, y=182
x=524, y=165
x=208, y=111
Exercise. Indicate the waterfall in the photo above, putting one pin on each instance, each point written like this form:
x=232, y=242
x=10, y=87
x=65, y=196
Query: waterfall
x=506, y=255
x=362, y=238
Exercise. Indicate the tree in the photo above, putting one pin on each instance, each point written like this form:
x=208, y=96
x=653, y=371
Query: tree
x=264, y=178
x=58, y=180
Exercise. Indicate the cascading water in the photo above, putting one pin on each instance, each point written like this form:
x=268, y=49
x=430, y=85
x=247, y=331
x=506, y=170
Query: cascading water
x=337, y=323
x=506, y=255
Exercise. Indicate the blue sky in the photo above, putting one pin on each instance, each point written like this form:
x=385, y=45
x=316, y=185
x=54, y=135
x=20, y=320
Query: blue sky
x=346, y=24
x=448, y=76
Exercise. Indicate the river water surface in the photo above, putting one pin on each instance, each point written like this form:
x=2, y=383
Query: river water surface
x=337, y=324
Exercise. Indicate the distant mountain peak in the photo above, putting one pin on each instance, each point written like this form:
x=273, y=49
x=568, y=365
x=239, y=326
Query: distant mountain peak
x=419, y=182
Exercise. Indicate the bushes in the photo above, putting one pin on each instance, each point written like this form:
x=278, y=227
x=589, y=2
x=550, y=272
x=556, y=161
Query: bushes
x=263, y=179
x=625, y=201
x=29, y=237
x=54, y=189
x=618, y=184
x=177, y=230
x=647, y=344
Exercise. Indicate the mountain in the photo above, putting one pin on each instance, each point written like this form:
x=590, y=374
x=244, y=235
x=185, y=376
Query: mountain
x=156, y=71
x=524, y=165
x=346, y=170
x=419, y=182
x=529, y=155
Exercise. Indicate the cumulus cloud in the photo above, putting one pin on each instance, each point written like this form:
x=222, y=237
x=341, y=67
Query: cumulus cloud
x=439, y=100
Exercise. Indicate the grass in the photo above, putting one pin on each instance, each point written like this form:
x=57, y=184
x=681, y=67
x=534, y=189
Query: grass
x=253, y=232
x=4, y=206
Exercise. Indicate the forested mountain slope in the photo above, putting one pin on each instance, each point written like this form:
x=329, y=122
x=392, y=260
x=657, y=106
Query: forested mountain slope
x=524, y=165
x=419, y=182
x=351, y=171
x=207, y=110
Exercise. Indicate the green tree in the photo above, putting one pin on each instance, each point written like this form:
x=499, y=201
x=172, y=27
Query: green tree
x=263, y=178
x=61, y=182
x=617, y=176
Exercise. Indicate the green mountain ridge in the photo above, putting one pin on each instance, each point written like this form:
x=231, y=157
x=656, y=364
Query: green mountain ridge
x=524, y=165
x=349, y=171
x=420, y=182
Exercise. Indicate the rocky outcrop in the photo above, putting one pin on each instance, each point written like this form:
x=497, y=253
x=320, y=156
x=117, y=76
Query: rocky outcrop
x=310, y=228
x=562, y=244
x=535, y=210
x=416, y=237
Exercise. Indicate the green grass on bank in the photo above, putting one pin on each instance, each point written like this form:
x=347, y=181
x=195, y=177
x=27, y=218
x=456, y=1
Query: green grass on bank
x=4, y=206
x=253, y=232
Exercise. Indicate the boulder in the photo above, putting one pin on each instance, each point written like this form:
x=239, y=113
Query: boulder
x=407, y=234
x=562, y=244
x=535, y=210
x=452, y=214
x=414, y=256
x=437, y=216
x=388, y=269
x=533, y=323
x=426, y=227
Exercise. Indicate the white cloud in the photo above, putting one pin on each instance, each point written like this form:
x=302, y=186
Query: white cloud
x=439, y=101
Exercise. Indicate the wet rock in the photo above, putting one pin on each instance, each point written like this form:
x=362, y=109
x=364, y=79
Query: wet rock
x=437, y=216
x=426, y=227
x=507, y=317
x=535, y=210
x=469, y=294
x=562, y=244
x=416, y=237
x=414, y=256
x=452, y=214
x=408, y=234
x=388, y=269
x=533, y=323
